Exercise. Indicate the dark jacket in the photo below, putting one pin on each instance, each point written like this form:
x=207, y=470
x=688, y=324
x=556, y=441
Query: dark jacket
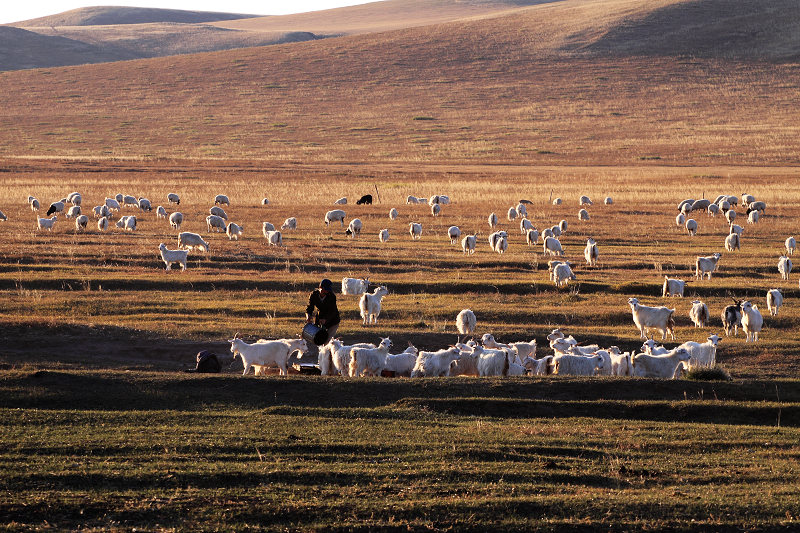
x=327, y=308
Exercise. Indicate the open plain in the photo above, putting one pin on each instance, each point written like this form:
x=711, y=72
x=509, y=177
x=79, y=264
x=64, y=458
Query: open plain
x=102, y=429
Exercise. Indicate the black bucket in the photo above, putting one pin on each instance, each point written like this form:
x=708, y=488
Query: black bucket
x=315, y=334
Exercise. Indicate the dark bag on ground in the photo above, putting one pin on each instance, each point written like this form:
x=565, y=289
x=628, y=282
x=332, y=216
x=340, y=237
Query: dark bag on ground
x=207, y=363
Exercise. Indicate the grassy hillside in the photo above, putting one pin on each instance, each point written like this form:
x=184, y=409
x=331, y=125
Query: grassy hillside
x=116, y=15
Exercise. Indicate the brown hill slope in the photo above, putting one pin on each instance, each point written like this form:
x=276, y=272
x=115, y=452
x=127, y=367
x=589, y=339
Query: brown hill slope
x=108, y=15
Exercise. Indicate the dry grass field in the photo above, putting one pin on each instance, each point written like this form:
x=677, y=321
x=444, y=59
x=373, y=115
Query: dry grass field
x=104, y=432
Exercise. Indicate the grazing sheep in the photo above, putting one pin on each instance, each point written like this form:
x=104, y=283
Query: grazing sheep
x=435, y=364
x=501, y=244
x=393, y=214
x=119, y=197
x=680, y=220
x=444, y=199
x=291, y=224
x=102, y=224
x=608, y=200
x=492, y=220
x=81, y=222
x=234, y=231
x=712, y=210
x=403, y=363
x=790, y=244
x=221, y=199
x=577, y=365
x=74, y=198
x=468, y=244
x=218, y=211
x=556, y=201
x=128, y=200
x=702, y=355
x=265, y=201
x=369, y=361
x=584, y=200
x=686, y=209
x=590, y=253
x=267, y=226
x=466, y=322
x=113, y=204
x=583, y=215
x=494, y=237
x=724, y=205
x=354, y=228
x=757, y=206
x=160, y=212
x=672, y=287
x=552, y=246
x=784, y=267
x=556, y=230
x=173, y=256
x=752, y=217
x=562, y=273
x=737, y=229
x=547, y=232
x=370, y=305
x=751, y=321
x=730, y=215
x=267, y=353
x=699, y=205
x=774, y=301
x=145, y=205
x=34, y=204
x=525, y=225
x=747, y=199
x=412, y=200
x=175, y=220
x=732, y=318
x=522, y=210
x=365, y=200
x=415, y=230
x=732, y=242
x=433, y=200
x=354, y=286
x=173, y=198
x=659, y=318
x=659, y=366
x=562, y=226
x=341, y=201
x=191, y=241
x=532, y=237
x=699, y=314
x=383, y=235
x=512, y=214
x=706, y=265
x=274, y=238
x=73, y=211
x=691, y=227
x=214, y=222
x=454, y=232
x=334, y=216
x=127, y=223
x=436, y=209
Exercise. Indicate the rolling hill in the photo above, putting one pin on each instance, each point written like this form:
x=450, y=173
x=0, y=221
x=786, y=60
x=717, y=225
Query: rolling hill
x=108, y=15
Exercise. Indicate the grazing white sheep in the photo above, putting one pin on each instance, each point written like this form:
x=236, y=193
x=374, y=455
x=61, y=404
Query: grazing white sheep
x=577, y=365
x=81, y=222
x=334, y=216
x=267, y=226
x=415, y=230
x=119, y=197
x=370, y=305
x=127, y=223
x=454, y=232
x=706, y=265
x=791, y=245
x=547, y=232
x=354, y=286
x=562, y=226
x=468, y=244
x=191, y=241
x=160, y=212
x=145, y=205
x=522, y=210
x=393, y=214
x=435, y=364
x=532, y=237
x=699, y=205
x=173, y=198
x=590, y=253
x=34, y=203
x=562, y=273
x=218, y=211
x=102, y=224
x=712, y=210
x=402, y=363
x=680, y=220
x=659, y=366
x=757, y=206
x=659, y=318
x=495, y=237
x=234, y=231
x=74, y=198
x=737, y=229
x=433, y=200
x=175, y=220
x=747, y=199
x=173, y=256
x=383, y=235
x=268, y=353
x=584, y=200
x=341, y=201
x=751, y=321
x=274, y=238
x=436, y=209
x=214, y=222
x=354, y=228
x=412, y=200
x=291, y=224
x=732, y=242
x=525, y=225
x=444, y=199
x=724, y=205
x=556, y=201
x=512, y=214
x=608, y=200
x=466, y=322
x=556, y=231
x=774, y=301
x=702, y=355
x=699, y=314
x=492, y=220
x=73, y=211
x=691, y=227
x=112, y=204
x=672, y=287
x=128, y=200
x=583, y=215
x=552, y=246
x=501, y=245
x=221, y=199
x=730, y=216
x=369, y=361
x=732, y=318
x=752, y=217
x=784, y=267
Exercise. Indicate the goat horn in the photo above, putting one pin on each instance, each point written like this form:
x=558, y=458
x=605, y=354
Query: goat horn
x=236, y=336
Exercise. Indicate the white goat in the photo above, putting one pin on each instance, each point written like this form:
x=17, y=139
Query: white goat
x=191, y=241
x=791, y=245
x=218, y=211
x=583, y=215
x=562, y=273
x=173, y=256
x=774, y=301
x=102, y=224
x=383, y=235
x=267, y=226
x=334, y=216
x=699, y=314
x=525, y=226
x=269, y=353
x=706, y=265
x=577, y=365
x=145, y=205
x=234, y=231
x=73, y=211
x=659, y=366
x=673, y=287
x=173, y=198
x=730, y=216
x=175, y=220
x=659, y=318
x=784, y=267
x=354, y=228
x=436, y=209
x=466, y=322
x=512, y=214
x=702, y=355
x=354, y=286
x=402, y=363
x=454, y=232
x=733, y=242
x=501, y=245
x=435, y=364
x=393, y=214
x=160, y=212
x=127, y=223
x=752, y=217
x=751, y=321
x=532, y=237
x=468, y=244
x=369, y=361
x=341, y=201
x=680, y=220
x=370, y=304
x=291, y=224
x=274, y=238
x=522, y=210
x=112, y=204
x=222, y=199
x=215, y=222
x=584, y=200
x=737, y=229
x=412, y=200
x=492, y=220
x=691, y=227
x=334, y=357
x=552, y=246
x=415, y=230
x=524, y=349
x=556, y=201
x=492, y=362
x=590, y=253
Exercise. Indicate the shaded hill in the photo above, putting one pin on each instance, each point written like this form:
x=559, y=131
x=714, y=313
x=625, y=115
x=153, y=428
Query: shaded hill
x=108, y=15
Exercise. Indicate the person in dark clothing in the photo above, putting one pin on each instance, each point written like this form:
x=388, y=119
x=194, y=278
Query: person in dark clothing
x=323, y=301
